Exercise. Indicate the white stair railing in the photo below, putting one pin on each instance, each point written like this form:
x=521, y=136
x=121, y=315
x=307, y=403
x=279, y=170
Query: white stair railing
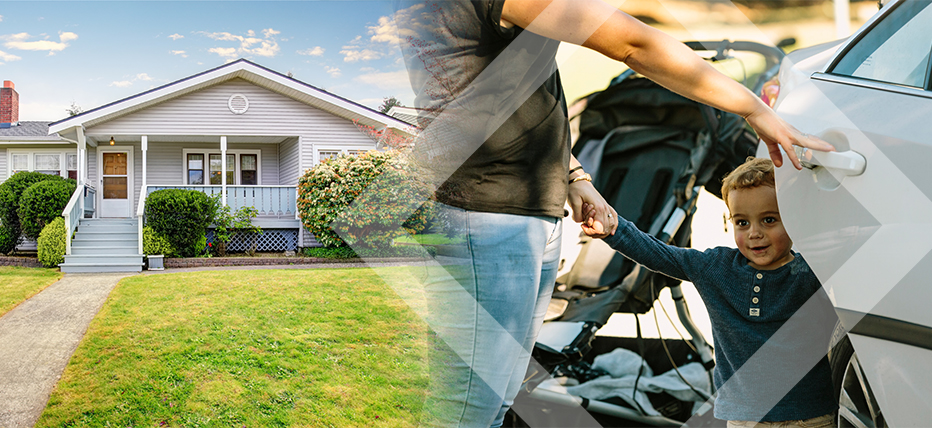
x=72, y=214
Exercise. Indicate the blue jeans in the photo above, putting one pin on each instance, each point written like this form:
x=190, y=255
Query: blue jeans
x=485, y=310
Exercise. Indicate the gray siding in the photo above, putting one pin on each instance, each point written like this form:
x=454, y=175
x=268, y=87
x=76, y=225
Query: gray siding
x=3, y=166
x=270, y=114
x=92, y=167
x=166, y=161
x=288, y=159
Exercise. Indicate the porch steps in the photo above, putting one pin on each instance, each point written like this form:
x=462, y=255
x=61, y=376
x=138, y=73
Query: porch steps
x=104, y=245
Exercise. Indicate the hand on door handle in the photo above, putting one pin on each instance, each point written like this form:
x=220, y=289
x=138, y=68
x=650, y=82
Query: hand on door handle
x=849, y=163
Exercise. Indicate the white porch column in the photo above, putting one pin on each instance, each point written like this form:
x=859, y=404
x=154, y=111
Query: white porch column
x=82, y=155
x=82, y=168
x=145, y=147
x=223, y=169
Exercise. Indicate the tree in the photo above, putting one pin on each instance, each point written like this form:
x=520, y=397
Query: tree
x=388, y=103
x=74, y=110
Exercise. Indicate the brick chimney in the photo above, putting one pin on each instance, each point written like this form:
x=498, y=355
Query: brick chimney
x=9, y=105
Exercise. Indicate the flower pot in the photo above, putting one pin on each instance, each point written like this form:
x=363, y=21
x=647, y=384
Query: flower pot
x=156, y=262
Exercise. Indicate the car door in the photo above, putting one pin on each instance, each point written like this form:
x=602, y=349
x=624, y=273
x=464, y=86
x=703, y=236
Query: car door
x=862, y=217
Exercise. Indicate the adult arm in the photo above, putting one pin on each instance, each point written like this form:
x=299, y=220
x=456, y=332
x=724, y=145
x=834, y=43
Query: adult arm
x=601, y=220
x=603, y=28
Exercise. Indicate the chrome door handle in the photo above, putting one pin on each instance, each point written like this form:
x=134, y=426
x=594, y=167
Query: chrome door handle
x=849, y=163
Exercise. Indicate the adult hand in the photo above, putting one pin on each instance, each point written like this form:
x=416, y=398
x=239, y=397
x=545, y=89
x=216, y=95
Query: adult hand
x=776, y=133
x=598, y=218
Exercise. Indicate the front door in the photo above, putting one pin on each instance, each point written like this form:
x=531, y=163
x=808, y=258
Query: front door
x=116, y=184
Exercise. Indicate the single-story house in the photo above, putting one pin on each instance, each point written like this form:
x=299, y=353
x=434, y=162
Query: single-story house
x=240, y=130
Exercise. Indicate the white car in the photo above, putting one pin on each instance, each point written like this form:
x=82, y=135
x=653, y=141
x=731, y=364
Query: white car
x=862, y=216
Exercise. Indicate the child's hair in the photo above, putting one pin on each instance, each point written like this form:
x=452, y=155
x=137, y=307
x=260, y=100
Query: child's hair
x=752, y=173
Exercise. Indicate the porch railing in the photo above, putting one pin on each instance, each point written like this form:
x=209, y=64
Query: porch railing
x=72, y=214
x=280, y=201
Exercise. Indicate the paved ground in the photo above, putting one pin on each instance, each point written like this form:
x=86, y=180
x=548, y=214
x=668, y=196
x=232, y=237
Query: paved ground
x=37, y=339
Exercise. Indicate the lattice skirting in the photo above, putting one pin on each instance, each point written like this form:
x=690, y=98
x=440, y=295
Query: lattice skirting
x=268, y=240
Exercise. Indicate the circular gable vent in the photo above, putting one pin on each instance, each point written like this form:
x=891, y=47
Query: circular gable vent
x=238, y=103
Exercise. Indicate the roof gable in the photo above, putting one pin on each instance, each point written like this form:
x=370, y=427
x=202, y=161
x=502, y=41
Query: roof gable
x=240, y=69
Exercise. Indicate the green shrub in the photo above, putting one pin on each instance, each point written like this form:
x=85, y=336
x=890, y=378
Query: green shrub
x=348, y=253
x=228, y=223
x=182, y=217
x=7, y=241
x=155, y=244
x=10, y=192
x=326, y=192
x=52, y=243
x=41, y=203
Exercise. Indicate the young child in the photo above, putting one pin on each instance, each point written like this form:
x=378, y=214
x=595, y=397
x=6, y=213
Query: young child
x=751, y=292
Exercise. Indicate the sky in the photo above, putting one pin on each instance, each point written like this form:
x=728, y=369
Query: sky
x=94, y=53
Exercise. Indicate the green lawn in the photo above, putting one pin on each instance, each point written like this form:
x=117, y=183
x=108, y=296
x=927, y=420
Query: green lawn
x=428, y=239
x=18, y=284
x=316, y=348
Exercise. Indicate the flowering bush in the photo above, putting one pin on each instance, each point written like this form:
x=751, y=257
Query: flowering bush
x=389, y=200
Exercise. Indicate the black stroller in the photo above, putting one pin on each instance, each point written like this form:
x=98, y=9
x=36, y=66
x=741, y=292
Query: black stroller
x=650, y=152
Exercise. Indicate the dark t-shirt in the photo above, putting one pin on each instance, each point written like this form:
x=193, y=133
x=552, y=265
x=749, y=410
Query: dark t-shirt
x=497, y=128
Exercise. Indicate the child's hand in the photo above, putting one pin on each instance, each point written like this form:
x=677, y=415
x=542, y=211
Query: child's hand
x=591, y=226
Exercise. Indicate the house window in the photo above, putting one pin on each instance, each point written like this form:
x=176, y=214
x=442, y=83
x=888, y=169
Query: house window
x=204, y=168
x=216, y=169
x=231, y=169
x=355, y=152
x=71, y=165
x=195, y=169
x=20, y=163
x=248, y=166
x=46, y=161
x=323, y=155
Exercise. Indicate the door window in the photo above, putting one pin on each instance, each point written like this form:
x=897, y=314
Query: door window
x=896, y=50
x=115, y=165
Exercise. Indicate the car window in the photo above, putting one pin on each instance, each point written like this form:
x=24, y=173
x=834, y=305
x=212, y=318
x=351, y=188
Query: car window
x=896, y=50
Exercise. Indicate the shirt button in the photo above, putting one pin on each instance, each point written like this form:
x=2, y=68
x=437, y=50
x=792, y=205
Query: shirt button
x=756, y=289
x=755, y=300
x=760, y=275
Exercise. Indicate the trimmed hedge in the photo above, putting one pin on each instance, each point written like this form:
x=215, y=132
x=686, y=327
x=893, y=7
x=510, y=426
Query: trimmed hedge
x=41, y=203
x=181, y=217
x=390, y=188
x=155, y=244
x=52, y=243
x=10, y=192
x=7, y=241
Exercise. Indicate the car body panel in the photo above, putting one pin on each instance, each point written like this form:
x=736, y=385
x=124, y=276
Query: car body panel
x=868, y=237
x=904, y=394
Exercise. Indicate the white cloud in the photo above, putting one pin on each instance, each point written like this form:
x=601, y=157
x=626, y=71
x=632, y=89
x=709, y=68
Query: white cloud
x=129, y=82
x=353, y=55
x=19, y=41
x=267, y=46
x=1, y=18
x=8, y=57
x=67, y=36
x=182, y=53
x=333, y=71
x=175, y=36
x=392, y=80
x=224, y=52
x=315, y=51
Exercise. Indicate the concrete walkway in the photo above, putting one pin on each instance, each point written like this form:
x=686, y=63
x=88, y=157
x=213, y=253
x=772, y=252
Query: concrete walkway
x=37, y=339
